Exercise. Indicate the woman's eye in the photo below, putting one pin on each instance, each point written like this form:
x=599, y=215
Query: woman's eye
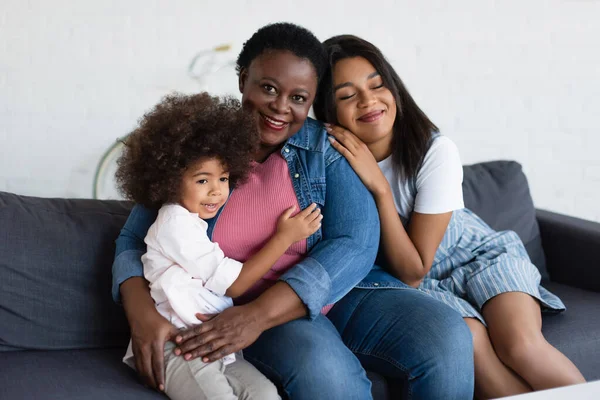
x=224, y=179
x=202, y=181
x=299, y=99
x=269, y=89
x=346, y=97
x=378, y=86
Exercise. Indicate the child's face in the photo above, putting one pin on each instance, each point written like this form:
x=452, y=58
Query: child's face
x=205, y=187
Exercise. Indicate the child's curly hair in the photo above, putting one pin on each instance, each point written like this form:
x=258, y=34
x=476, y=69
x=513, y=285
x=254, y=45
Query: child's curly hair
x=181, y=130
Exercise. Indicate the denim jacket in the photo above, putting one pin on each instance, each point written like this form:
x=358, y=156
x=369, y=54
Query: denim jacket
x=340, y=254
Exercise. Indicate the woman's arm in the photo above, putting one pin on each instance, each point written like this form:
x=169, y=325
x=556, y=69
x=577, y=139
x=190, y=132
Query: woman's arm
x=238, y=327
x=349, y=244
x=334, y=266
x=409, y=254
x=149, y=330
x=130, y=247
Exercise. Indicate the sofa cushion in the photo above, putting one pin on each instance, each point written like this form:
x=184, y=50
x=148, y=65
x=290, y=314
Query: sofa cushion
x=575, y=331
x=55, y=269
x=86, y=374
x=498, y=192
x=70, y=374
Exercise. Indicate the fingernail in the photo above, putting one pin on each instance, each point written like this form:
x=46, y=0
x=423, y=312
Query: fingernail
x=161, y=387
x=205, y=359
x=177, y=352
x=331, y=139
x=326, y=124
x=187, y=356
x=178, y=339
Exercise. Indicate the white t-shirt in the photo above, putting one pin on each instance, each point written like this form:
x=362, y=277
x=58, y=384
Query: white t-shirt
x=437, y=188
x=187, y=272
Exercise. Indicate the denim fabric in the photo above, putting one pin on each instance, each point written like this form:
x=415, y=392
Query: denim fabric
x=407, y=335
x=340, y=254
x=307, y=360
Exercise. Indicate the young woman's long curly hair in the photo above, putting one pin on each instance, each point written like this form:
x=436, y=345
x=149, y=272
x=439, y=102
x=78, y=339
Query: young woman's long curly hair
x=179, y=131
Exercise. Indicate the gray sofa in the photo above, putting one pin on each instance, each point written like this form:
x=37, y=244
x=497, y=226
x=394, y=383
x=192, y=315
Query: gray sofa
x=62, y=337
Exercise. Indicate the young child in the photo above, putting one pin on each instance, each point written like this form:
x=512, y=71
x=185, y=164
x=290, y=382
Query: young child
x=183, y=158
x=429, y=240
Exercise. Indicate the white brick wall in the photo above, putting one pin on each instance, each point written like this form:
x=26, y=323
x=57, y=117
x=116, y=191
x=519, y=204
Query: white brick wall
x=506, y=80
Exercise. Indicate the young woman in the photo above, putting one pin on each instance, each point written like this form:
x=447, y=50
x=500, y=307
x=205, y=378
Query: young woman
x=280, y=323
x=429, y=240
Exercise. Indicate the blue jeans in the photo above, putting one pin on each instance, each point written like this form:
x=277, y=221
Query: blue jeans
x=402, y=334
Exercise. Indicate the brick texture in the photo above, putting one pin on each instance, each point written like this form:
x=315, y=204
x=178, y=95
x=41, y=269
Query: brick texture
x=506, y=80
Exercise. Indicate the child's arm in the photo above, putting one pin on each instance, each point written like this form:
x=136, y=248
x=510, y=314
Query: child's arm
x=289, y=230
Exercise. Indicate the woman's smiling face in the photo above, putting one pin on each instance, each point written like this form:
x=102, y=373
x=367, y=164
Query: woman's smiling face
x=363, y=104
x=278, y=88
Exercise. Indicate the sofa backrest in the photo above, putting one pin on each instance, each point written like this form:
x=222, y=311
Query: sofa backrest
x=56, y=257
x=498, y=192
x=55, y=273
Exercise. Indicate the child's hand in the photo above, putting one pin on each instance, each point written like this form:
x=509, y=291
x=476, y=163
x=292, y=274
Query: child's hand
x=301, y=225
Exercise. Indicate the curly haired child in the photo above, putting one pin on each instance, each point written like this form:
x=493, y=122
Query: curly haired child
x=183, y=158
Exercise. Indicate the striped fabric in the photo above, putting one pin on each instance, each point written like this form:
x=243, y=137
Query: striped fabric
x=474, y=263
x=250, y=218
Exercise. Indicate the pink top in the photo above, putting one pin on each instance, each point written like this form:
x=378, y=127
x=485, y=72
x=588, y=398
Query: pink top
x=250, y=219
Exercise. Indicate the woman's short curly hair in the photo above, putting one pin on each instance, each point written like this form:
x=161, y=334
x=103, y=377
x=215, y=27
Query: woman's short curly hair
x=284, y=36
x=179, y=131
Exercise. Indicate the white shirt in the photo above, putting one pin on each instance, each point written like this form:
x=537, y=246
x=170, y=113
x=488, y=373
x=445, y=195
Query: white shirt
x=438, y=184
x=187, y=272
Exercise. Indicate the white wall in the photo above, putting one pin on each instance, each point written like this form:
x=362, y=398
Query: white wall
x=506, y=80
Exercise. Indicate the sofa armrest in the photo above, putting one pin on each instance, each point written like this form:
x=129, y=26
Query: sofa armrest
x=572, y=249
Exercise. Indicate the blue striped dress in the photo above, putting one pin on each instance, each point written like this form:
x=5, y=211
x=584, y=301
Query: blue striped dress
x=474, y=263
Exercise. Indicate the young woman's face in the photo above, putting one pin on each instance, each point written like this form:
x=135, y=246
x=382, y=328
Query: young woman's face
x=205, y=187
x=278, y=88
x=363, y=104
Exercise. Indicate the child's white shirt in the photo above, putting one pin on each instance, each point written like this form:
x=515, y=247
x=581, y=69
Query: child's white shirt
x=188, y=273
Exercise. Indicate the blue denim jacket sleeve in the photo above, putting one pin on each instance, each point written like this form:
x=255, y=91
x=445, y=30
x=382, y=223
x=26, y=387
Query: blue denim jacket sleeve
x=347, y=251
x=130, y=247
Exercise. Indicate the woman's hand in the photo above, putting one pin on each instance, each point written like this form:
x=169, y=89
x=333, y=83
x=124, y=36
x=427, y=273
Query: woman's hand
x=232, y=330
x=360, y=158
x=149, y=332
x=148, y=338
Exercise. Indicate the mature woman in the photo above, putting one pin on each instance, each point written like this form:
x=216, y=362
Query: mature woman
x=281, y=323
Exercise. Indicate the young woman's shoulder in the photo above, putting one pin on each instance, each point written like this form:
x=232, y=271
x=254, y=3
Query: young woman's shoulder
x=442, y=151
x=439, y=180
x=442, y=146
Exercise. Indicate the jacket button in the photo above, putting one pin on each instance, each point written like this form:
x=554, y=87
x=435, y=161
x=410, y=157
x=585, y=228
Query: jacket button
x=376, y=284
x=296, y=176
x=286, y=150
